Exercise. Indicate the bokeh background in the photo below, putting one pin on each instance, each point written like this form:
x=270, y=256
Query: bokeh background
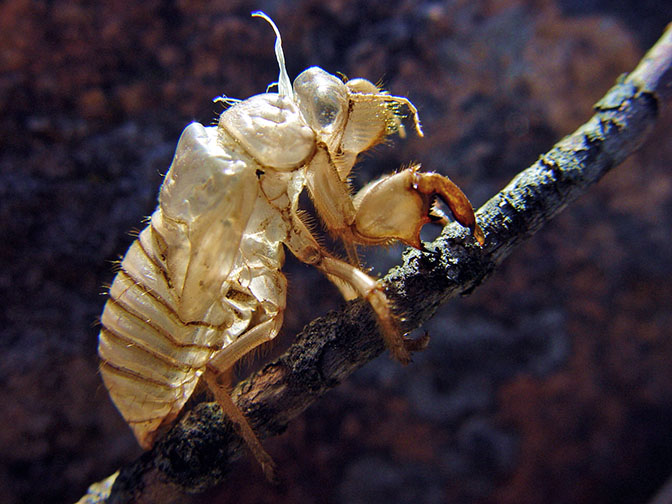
x=550, y=383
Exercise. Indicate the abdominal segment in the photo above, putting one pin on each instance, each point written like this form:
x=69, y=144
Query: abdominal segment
x=151, y=359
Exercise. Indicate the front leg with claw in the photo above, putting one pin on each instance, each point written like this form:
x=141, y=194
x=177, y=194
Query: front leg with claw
x=396, y=207
x=392, y=208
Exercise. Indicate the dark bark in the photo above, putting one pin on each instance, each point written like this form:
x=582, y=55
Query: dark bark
x=197, y=452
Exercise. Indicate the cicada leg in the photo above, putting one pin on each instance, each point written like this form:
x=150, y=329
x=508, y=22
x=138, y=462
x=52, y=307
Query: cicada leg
x=397, y=206
x=266, y=293
x=223, y=398
x=304, y=246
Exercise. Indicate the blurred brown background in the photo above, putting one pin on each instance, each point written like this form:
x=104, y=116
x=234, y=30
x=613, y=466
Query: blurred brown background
x=550, y=384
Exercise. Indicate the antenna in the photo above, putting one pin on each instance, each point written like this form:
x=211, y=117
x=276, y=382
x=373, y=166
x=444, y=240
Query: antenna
x=284, y=85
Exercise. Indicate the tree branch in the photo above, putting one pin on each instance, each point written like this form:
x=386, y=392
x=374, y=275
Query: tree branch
x=197, y=453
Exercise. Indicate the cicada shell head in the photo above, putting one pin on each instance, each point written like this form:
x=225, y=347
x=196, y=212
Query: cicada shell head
x=349, y=118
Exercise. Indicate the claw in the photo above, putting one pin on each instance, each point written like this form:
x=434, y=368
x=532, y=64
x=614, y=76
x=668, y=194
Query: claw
x=478, y=234
x=460, y=206
x=397, y=206
x=435, y=184
x=416, y=344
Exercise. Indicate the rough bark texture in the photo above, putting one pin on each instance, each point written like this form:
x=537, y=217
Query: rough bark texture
x=198, y=451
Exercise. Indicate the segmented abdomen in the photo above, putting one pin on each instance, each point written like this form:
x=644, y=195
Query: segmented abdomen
x=150, y=359
x=203, y=275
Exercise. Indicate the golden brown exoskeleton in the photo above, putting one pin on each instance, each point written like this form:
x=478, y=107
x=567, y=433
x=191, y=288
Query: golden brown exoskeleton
x=201, y=286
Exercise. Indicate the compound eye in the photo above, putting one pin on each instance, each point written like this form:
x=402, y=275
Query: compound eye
x=327, y=108
x=322, y=99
